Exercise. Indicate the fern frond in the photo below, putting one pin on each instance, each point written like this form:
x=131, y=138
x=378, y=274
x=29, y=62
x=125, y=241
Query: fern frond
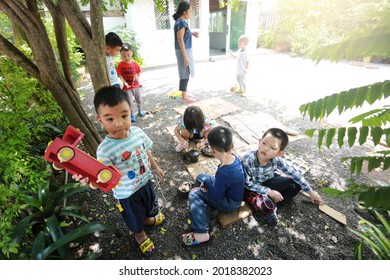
x=354, y=97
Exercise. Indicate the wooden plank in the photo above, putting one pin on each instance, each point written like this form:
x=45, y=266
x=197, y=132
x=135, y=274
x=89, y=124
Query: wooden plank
x=338, y=216
x=229, y=218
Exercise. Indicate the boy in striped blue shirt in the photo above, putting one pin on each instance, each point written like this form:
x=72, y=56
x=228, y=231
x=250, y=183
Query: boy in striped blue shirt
x=128, y=149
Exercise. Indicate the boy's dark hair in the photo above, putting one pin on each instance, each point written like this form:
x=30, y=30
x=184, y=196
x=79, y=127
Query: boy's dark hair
x=221, y=139
x=110, y=96
x=113, y=40
x=279, y=134
x=181, y=8
x=193, y=118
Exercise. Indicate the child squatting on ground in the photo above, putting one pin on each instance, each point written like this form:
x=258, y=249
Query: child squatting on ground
x=128, y=148
x=130, y=72
x=242, y=56
x=193, y=125
x=264, y=187
x=113, y=45
x=223, y=192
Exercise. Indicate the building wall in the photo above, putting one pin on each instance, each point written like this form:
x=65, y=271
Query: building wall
x=157, y=46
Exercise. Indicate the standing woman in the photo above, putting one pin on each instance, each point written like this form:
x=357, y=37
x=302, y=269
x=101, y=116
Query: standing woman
x=183, y=47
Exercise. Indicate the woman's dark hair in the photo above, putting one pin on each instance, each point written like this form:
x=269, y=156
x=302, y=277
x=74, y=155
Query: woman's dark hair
x=278, y=134
x=221, y=139
x=193, y=118
x=110, y=96
x=181, y=9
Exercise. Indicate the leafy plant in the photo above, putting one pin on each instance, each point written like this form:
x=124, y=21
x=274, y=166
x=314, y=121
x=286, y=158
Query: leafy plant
x=40, y=231
x=372, y=122
x=130, y=37
x=370, y=41
x=375, y=237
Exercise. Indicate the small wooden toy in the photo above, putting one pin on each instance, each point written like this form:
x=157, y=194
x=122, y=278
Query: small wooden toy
x=64, y=154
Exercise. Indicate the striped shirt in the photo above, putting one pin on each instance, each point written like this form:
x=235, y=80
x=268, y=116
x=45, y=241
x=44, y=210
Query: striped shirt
x=256, y=174
x=129, y=155
x=112, y=74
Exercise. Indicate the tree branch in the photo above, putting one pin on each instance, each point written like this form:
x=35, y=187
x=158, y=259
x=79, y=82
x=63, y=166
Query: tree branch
x=19, y=58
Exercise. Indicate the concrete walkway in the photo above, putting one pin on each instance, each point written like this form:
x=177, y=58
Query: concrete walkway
x=274, y=77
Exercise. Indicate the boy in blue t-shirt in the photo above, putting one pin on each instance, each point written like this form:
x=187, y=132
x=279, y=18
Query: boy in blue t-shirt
x=223, y=192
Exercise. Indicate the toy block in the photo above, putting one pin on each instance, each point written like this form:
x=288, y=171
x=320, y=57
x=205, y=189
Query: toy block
x=226, y=219
x=64, y=154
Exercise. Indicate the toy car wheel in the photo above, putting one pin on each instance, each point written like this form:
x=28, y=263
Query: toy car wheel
x=65, y=154
x=57, y=167
x=104, y=176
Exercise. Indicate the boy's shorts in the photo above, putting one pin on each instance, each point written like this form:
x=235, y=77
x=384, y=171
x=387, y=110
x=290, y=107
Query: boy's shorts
x=143, y=203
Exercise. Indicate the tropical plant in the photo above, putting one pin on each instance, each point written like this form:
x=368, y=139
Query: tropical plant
x=375, y=237
x=374, y=40
x=39, y=235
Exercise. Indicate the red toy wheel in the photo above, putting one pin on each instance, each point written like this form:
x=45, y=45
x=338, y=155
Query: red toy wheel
x=104, y=176
x=65, y=154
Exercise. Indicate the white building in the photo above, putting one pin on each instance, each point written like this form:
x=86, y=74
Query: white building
x=154, y=31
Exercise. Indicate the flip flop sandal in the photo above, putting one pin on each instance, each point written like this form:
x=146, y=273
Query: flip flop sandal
x=191, y=242
x=158, y=219
x=145, y=245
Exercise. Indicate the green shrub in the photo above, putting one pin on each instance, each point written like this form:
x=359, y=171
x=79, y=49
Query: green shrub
x=25, y=107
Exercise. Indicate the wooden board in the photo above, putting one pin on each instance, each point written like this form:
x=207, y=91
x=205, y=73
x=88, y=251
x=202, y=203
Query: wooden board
x=338, y=216
x=252, y=126
x=212, y=107
x=227, y=219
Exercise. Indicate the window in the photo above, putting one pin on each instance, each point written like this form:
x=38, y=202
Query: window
x=216, y=21
x=164, y=17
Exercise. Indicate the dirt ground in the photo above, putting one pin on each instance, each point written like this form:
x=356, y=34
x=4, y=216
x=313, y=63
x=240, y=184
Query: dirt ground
x=303, y=232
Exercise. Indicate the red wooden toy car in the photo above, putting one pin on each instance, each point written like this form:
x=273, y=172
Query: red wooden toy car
x=64, y=154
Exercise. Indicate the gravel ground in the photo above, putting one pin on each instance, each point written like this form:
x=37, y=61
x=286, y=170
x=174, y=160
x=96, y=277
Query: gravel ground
x=303, y=232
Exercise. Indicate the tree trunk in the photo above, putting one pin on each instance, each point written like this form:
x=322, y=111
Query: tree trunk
x=45, y=69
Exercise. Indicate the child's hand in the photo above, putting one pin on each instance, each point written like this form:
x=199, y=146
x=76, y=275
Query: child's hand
x=160, y=173
x=185, y=144
x=126, y=84
x=84, y=181
x=201, y=145
x=275, y=196
x=316, y=198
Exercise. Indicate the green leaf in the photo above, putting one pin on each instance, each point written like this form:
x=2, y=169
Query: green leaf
x=329, y=137
x=376, y=134
x=373, y=162
x=74, y=235
x=358, y=255
x=318, y=109
x=321, y=134
x=363, y=133
x=352, y=131
x=38, y=246
x=56, y=233
x=31, y=201
x=331, y=102
x=358, y=165
x=310, y=132
x=375, y=93
x=341, y=135
x=377, y=198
